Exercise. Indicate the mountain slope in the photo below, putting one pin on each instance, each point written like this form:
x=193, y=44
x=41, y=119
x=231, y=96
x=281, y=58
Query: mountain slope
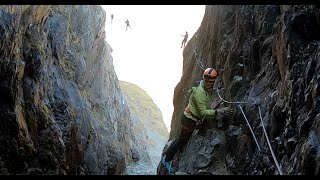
x=147, y=120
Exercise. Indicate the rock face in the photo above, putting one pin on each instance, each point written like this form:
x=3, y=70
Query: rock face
x=270, y=60
x=149, y=127
x=61, y=107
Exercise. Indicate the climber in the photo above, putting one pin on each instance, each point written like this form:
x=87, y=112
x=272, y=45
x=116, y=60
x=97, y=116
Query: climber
x=183, y=43
x=128, y=25
x=198, y=109
x=112, y=17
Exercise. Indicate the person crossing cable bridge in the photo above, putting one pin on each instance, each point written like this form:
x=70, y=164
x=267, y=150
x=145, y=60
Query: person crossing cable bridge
x=184, y=41
x=197, y=110
x=127, y=24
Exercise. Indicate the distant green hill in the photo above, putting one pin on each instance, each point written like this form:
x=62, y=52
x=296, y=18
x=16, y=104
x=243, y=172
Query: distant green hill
x=143, y=107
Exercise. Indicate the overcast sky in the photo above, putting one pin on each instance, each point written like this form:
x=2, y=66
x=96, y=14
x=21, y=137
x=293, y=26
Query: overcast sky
x=150, y=54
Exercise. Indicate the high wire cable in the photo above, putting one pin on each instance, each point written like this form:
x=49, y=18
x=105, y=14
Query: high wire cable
x=199, y=63
x=265, y=133
x=264, y=130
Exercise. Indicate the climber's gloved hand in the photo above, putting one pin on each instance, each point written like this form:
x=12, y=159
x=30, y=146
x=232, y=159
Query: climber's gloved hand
x=226, y=111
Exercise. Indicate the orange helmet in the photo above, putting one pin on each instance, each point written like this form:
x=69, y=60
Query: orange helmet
x=209, y=73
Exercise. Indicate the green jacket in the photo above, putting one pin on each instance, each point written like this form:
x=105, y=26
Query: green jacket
x=199, y=103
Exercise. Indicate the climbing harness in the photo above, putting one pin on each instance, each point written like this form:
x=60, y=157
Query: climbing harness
x=200, y=121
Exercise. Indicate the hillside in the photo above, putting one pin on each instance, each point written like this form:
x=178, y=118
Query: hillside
x=147, y=117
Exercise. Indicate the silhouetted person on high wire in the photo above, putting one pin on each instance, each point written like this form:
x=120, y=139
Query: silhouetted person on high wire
x=128, y=25
x=183, y=43
x=111, y=17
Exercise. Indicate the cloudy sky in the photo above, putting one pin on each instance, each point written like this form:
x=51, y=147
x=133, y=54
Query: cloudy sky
x=150, y=54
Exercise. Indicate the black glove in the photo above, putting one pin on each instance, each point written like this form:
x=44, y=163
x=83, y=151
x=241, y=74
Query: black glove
x=226, y=111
